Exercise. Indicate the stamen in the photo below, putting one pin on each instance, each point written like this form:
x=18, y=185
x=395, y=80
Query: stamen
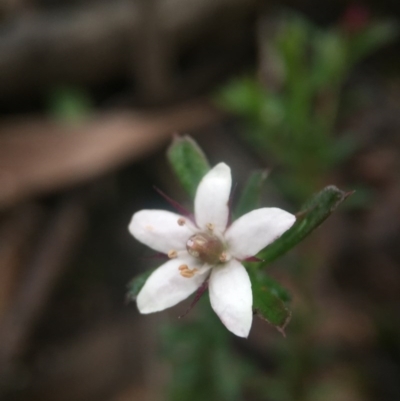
x=186, y=272
x=181, y=221
x=172, y=254
x=210, y=226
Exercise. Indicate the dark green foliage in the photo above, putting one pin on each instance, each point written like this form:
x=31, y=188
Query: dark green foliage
x=203, y=364
x=188, y=162
x=70, y=104
x=250, y=197
x=267, y=301
x=291, y=117
x=136, y=284
x=313, y=213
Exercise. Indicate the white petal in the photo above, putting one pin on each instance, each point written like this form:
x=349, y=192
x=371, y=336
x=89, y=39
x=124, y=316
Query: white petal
x=160, y=230
x=255, y=230
x=231, y=297
x=166, y=287
x=212, y=197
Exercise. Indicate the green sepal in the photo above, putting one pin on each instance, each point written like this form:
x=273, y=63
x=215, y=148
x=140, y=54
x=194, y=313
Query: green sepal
x=136, y=284
x=267, y=301
x=313, y=213
x=251, y=193
x=188, y=162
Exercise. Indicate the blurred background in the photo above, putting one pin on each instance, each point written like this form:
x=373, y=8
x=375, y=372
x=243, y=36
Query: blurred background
x=91, y=93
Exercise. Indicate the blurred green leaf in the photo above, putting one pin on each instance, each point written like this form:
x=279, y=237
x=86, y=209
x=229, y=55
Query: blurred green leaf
x=362, y=199
x=292, y=43
x=188, y=162
x=371, y=39
x=70, y=104
x=204, y=366
x=342, y=148
x=266, y=300
x=313, y=213
x=251, y=193
x=244, y=96
x=293, y=122
x=136, y=284
x=330, y=60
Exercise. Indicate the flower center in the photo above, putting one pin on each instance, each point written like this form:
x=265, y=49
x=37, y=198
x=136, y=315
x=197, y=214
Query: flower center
x=206, y=247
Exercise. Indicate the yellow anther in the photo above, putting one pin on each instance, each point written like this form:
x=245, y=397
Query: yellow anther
x=181, y=221
x=172, y=254
x=210, y=226
x=186, y=272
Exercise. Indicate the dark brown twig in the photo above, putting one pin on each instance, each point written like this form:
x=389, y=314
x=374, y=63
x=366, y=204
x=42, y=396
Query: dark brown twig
x=40, y=155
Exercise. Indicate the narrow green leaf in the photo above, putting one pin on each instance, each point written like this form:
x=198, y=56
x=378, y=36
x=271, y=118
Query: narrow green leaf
x=188, y=162
x=276, y=288
x=266, y=302
x=251, y=193
x=312, y=215
x=136, y=284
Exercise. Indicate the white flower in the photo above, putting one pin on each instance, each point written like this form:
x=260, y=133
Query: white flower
x=207, y=249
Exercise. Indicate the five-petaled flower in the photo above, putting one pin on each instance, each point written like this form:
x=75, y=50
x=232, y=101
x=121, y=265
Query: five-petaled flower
x=207, y=249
